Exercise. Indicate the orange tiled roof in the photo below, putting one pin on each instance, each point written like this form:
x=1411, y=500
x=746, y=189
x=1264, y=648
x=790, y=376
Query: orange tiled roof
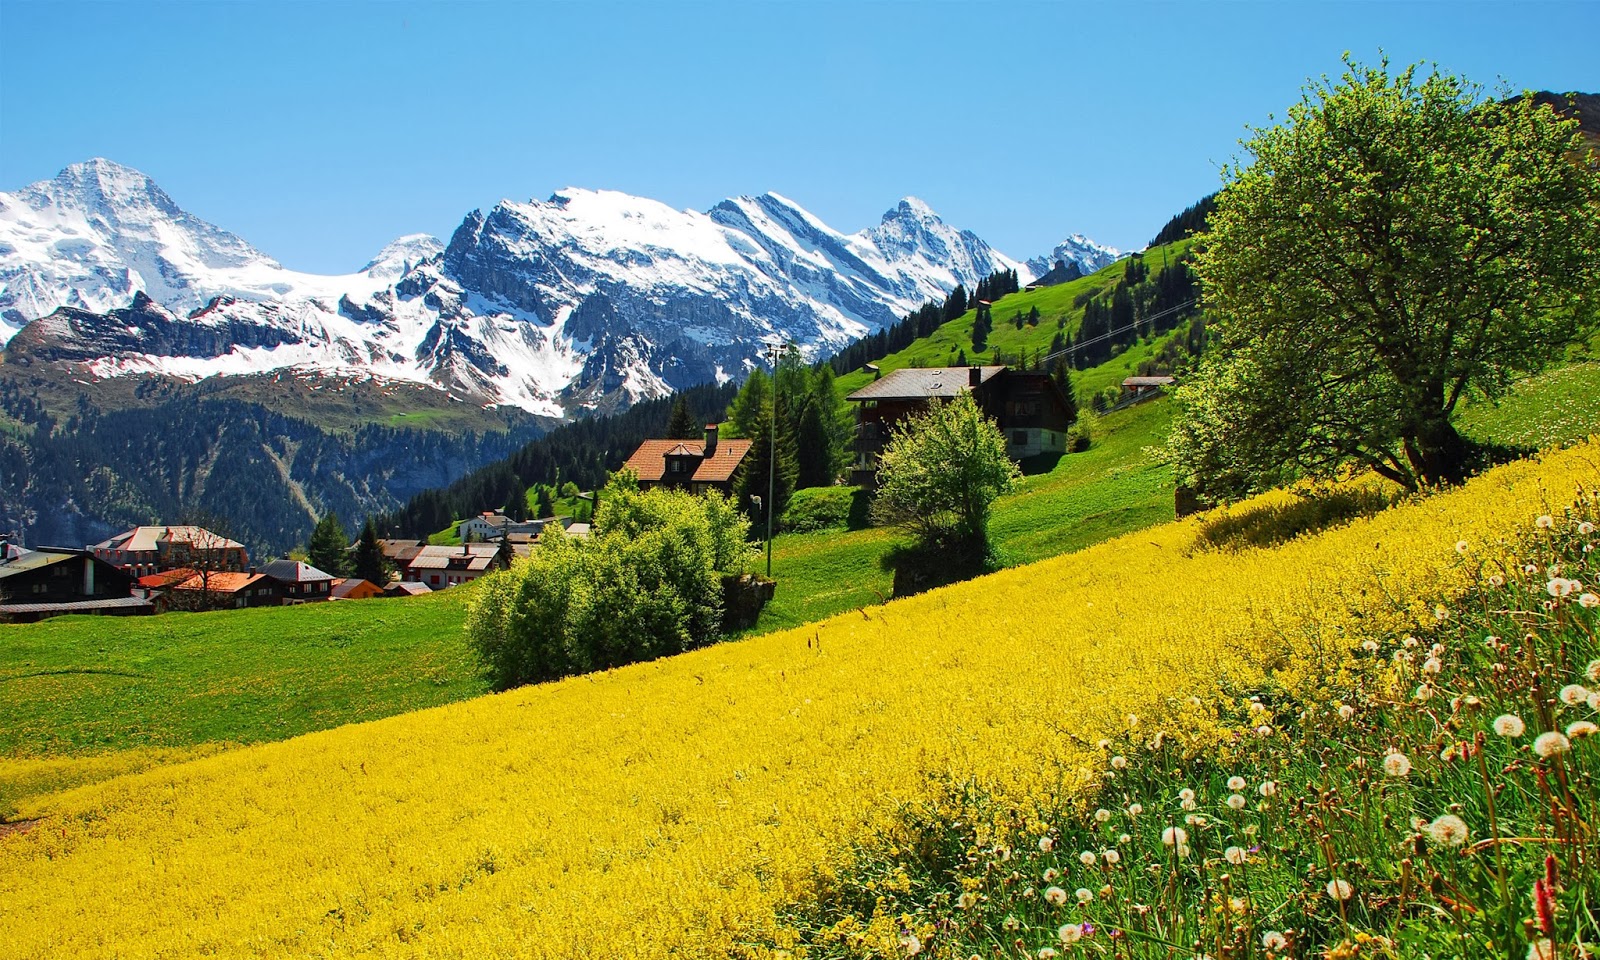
x=221, y=582
x=650, y=460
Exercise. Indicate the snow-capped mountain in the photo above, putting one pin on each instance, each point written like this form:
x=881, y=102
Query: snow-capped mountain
x=588, y=299
x=100, y=232
x=1077, y=249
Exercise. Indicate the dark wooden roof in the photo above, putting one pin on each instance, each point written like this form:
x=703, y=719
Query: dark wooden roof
x=922, y=383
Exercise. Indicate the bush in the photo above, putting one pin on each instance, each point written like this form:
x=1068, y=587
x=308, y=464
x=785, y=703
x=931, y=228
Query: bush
x=645, y=586
x=825, y=508
x=1081, y=432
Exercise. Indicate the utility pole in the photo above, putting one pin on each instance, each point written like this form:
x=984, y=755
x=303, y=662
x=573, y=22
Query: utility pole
x=772, y=451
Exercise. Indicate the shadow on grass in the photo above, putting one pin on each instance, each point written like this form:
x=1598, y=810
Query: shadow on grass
x=923, y=565
x=1039, y=463
x=1269, y=524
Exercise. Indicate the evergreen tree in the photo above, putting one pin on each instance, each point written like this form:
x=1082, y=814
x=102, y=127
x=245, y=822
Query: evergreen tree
x=370, y=563
x=1033, y=317
x=546, y=502
x=750, y=406
x=1063, y=378
x=517, y=503
x=682, y=425
x=757, y=468
x=329, y=548
x=956, y=304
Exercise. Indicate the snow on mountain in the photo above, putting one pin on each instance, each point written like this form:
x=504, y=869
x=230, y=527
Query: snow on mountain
x=100, y=232
x=591, y=299
x=1079, y=249
x=399, y=257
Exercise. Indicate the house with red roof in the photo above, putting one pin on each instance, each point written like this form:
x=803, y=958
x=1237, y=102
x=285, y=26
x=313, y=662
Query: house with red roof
x=693, y=465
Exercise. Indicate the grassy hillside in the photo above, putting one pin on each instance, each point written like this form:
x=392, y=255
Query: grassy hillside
x=678, y=808
x=1058, y=314
x=1113, y=487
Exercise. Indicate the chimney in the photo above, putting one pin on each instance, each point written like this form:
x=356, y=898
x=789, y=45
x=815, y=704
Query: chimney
x=974, y=376
x=711, y=440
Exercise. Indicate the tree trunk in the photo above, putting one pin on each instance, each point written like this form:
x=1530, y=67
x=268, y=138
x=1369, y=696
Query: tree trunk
x=1438, y=453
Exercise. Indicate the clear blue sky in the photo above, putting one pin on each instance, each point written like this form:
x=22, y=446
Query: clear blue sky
x=319, y=131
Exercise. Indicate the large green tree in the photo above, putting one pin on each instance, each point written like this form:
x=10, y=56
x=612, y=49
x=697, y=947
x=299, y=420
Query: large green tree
x=369, y=562
x=941, y=471
x=1399, y=243
x=329, y=548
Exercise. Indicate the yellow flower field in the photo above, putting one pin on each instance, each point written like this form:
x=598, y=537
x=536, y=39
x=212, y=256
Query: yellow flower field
x=667, y=809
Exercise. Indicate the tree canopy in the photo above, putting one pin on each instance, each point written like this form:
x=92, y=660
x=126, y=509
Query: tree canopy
x=1398, y=244
x=941, y=471
x=329, y=548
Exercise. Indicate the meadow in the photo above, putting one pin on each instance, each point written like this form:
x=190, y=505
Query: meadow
x=684, y=807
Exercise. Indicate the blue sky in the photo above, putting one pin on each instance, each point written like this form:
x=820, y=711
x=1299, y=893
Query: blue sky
x=319, y=131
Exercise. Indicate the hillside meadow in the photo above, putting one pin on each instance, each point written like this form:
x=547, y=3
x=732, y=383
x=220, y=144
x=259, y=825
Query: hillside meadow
x=679, y=807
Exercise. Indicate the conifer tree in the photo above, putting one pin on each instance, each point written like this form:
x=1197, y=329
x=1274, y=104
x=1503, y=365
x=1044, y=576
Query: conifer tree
x=329, y=548
x=682, y=426
x=517, y=504
x=750, y=406
x=370, y=563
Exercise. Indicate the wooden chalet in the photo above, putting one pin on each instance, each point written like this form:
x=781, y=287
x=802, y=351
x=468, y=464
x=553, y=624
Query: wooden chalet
x=693, y=465
x=354, y=588
x=440, y=567
x=302, y=583
x=1144, y=388
x=50, y=581
x=1029, y=408
x=226, y=590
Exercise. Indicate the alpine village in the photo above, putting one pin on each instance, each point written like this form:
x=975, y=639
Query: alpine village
x=612, y=580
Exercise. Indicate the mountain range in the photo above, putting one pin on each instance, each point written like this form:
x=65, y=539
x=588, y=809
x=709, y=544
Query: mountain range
x=590, y=300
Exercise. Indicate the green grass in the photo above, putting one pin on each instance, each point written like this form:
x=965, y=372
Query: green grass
x=1113, y=487
x=76, y=685
x=1557, y=406
x=448, y=537
x=1055, y=306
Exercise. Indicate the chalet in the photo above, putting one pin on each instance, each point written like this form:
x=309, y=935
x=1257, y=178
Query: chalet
x=354, y=588
x=226, y=590
x=154, y=549
x=440, y=567
x=302, y=583
x=35, y=584
x=405, y=588
x=400, y=553
x=1135, y=389
x=693, y=465
x=492, y=525
x=1029, y=407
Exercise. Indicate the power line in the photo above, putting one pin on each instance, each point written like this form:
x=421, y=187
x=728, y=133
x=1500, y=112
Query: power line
x=1123, y=329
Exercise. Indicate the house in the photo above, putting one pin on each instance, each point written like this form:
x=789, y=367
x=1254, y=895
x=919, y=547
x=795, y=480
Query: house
x=440, y=567
x=302, y=583
x=49, y=581
x=492, y=525
x=400, y=553
x=1029, y=408
x=354, y=588
x=693, y=465
x=1135, y=389
x=154, y=549
x=405, y=588
x=225, y=590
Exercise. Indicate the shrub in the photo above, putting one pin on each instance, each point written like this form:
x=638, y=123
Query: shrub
x=824, y=508
x=645, y=586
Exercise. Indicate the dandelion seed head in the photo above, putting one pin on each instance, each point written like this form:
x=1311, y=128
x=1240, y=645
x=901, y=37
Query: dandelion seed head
x=1050, y=874
x=1236, y=801
x=1086, y=858
x=1588, y=601
x=1579, y=729
x=1111, y=856
x=1509, y=725
x=1593, y=671
x=1585, y=528
x=1236, y=783
x=1545, y=522
x=1541, y=950
x=1462, y=546
x=1273, y=940
x=1234, y=855
x=1268, y=788
x=1396, y=765
x=1174, y=835
x=1264, y=731
x=1551, y=744
x=1124, y=839
x=1055, y=895
x=1071, y=933
x=1432, y=665
x=1449, y=830
x=1084, y=895
x=1119, y=762
x=1573, y=694
x=1134, y=809
x=1046, y=844
x=1340, y=889
x=967, y=900
x=1371, y=646
x=1047, y=953
x=1186, y=794
x=1495, y=580
x=1102, y=815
